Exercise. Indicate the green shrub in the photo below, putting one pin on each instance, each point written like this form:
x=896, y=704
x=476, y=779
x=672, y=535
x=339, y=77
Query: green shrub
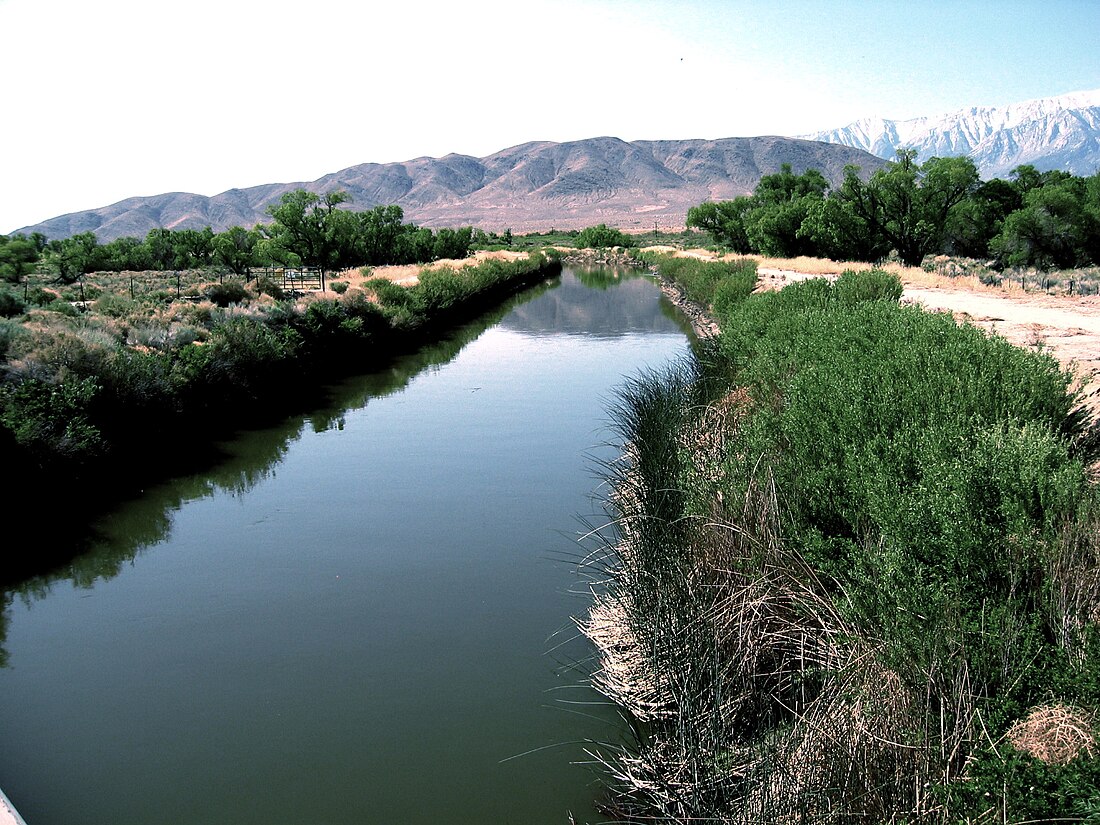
x=854, y=286
x=40, y=297
x=882, y=487
x=115, y=306
x=62, y=308
x=51, y=419
x=265, y=285
x=9, y=332
x=226, y=293
x=725, y=283
x=441, y=289
x=600, y=236
x=390, y=294
x=339, y=287
x=244, y=355
x=10, y=304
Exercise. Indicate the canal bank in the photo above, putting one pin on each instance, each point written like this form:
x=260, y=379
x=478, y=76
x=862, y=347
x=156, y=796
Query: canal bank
x=8, y=814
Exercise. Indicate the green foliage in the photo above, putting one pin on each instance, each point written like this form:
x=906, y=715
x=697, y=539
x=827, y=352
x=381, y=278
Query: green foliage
x=600, y=236
x=10, y=304
x=115, y=306
x=1029, y=790
x=721, y=283
x=225, y=293
x=18, y=256
x=724, y=220
x=856, y=508
x=51, y=420
x=854, y=286
x=1058, y=225
x=72, y=257
x=237, y=249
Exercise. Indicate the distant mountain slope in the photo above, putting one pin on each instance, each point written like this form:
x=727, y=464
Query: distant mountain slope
x=528, y=187
x=1052, y=133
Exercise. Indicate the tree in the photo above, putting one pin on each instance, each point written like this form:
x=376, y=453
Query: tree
x=978, y=219
x=236, y=249
x=306, y=224
x=160, y=249
x=452, y=243
x=378, y=231
x=124, y=254
x=602, y=235
x=907, y=206
x=780, y=205
x=1057, y=227
x=724, y=220
x=18, y=257
x=75, y=256
x=193, y=248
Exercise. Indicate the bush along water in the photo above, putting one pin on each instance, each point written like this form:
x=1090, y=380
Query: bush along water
x=83, y=396
x=853, y=573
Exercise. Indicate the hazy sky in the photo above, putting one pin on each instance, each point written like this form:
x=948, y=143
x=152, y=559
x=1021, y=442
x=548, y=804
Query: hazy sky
x=115, y=98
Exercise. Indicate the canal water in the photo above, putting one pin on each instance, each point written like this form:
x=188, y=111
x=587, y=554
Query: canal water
x=361, y=615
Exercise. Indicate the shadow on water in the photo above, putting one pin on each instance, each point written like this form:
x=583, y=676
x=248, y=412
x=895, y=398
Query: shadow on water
x=118, y=535
x=577, y=302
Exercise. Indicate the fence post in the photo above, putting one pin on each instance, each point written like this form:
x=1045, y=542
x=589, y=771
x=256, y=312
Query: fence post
x=131, y=287
x=177, y=283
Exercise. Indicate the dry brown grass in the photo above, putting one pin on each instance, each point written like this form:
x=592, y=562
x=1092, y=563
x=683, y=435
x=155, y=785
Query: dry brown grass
x=1055, y=734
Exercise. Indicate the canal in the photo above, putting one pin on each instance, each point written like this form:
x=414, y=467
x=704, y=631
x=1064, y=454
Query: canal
x=362, y=614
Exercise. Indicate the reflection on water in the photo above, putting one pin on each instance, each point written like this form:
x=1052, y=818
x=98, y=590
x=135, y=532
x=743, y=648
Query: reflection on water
x=121, y=534
x=346, y=620
x=585, y=305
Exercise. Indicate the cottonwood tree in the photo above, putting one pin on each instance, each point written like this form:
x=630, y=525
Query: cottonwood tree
x=724, y=220
x=19, y=255
x=312, y=228
x=1058, y=225
x=906, y=205
x=236, y=249
x=75, y=256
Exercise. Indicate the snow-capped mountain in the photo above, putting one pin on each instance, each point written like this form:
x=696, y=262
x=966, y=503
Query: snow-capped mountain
x=1051, y=133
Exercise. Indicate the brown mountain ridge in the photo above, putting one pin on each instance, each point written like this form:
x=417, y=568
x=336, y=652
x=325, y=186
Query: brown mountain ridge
x=530, y=187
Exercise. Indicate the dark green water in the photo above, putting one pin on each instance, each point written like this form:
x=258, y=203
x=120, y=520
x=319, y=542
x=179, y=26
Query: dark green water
x=361, y=615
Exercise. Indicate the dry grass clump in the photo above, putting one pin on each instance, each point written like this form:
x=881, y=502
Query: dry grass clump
x=1055, y=734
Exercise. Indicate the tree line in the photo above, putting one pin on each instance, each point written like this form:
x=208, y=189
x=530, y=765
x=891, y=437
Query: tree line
x=307, y=229
x=1041, y=219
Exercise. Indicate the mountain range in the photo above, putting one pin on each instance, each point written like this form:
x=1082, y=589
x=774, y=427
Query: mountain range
x=631, y=185
x=1051, y=133
x=534, y=186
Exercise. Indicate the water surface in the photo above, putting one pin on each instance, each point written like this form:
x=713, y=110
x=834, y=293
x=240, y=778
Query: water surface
x=361, y=615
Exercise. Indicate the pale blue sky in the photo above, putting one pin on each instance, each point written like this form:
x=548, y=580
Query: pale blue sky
x=123, y=97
